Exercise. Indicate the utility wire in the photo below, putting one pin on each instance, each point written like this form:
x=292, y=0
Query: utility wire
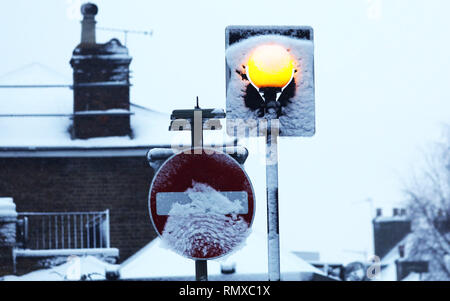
x=34, y=86
x=24, y=67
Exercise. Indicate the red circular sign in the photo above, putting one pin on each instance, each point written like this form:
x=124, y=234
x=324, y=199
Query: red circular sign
x=201, y=203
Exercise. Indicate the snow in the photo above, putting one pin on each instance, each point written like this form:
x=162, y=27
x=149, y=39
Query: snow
x=391, y=218
x=34, y=74
x=113, y=46
x=388, y=265
x=35, y=100
x=203, y=227
x=412, y=277
x=7, y=208
x=104, y=252
x=217, y=111
x=108, y=83
x=156, y=262
x=393, y=254
x=150, y=127
x=298, y=117
x=206, y=199
x=73, y=269
x=160, y=153
x=108, y=112
x=157, y=156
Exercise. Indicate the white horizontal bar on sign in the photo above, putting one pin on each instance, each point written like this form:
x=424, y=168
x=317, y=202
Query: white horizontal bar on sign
x=165, y=200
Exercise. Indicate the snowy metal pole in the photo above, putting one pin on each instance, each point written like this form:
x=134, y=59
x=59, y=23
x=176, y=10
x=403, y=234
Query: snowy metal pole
x=272, y=200
x=196, y=121
x=201, y=270
x=201, y=266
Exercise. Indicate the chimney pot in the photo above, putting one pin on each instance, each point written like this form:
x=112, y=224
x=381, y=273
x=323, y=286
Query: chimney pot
x=401, y=251
x=379, y=212
x=89, y=10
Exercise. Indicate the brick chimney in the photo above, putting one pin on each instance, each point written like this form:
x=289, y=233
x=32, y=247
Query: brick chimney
x=101, y=84
x=389, y=231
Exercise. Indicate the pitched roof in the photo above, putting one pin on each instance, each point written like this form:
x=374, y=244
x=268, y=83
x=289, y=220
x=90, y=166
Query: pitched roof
x=86, y=265
x=36, y=118
x=154, y=261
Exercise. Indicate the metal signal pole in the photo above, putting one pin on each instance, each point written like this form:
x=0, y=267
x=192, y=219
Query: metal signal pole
x=272, y=200
x=201, y=266
x=196, y=119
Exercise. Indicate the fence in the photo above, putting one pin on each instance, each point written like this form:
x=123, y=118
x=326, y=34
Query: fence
x=63, y=230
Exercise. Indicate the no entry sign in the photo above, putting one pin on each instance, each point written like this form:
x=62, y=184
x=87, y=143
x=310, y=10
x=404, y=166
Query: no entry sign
x=202, y=205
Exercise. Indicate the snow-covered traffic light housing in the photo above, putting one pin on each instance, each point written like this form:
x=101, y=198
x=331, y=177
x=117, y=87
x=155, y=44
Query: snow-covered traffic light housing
x=270, y=76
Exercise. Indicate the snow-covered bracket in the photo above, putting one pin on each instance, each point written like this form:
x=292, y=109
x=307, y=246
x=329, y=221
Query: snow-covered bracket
x=295, y=102
x=166, y=200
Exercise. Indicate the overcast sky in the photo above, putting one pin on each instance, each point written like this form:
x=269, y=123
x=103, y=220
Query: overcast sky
x=382, y=90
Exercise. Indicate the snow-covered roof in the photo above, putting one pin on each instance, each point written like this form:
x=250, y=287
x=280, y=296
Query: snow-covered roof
x=71, y=270
x=394, y=218
x=156, y=262
x=150, y=127
x=388, y=265
x=393, y=254
x=413, y=277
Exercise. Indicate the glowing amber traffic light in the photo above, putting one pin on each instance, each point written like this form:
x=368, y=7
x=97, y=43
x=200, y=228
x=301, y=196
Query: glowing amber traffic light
x=270, y=66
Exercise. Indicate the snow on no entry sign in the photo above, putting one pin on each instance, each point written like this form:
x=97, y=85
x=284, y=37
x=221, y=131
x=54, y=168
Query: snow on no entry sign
x=202, y=205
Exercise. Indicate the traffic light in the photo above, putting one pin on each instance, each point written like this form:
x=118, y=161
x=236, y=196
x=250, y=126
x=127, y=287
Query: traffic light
x=270, y=76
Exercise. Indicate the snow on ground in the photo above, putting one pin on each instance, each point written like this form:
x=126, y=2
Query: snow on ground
x=73, y=269
x=156, y=262
x=298, y=118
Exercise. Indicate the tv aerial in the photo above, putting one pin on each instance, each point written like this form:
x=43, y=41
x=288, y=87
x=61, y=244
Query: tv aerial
x=126, y=32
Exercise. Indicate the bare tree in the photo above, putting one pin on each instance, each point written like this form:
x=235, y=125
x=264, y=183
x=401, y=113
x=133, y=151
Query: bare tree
x=428, y=204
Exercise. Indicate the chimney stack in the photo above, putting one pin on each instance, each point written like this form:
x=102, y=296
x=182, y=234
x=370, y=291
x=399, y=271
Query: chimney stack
x=395, y=212
x=89, y=10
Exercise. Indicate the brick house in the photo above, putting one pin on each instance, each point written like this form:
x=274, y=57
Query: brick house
x=393, y=241
x=73, y=156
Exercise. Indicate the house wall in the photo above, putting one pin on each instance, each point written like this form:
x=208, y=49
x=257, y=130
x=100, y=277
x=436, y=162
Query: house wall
x=389, y=233
x=119, y=184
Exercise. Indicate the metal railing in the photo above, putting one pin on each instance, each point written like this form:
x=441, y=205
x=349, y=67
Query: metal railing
x=63, y=230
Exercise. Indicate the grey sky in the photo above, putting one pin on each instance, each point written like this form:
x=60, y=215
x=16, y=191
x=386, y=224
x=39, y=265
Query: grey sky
x=382, y=89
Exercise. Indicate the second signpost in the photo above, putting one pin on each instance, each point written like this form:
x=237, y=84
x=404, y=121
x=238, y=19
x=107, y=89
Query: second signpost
x=270, y=92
